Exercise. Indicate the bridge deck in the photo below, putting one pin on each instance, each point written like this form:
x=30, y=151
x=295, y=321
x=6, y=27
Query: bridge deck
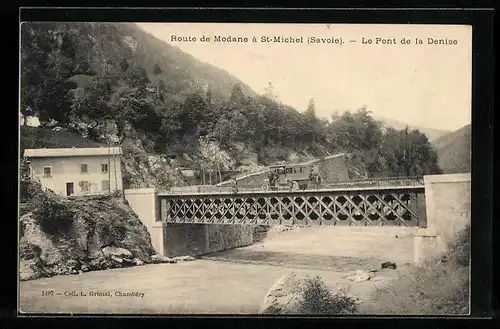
x=230, y=191
x=352, y=185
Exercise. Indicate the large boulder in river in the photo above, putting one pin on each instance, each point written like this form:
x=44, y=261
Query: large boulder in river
x=285, y=296
x=305, y=295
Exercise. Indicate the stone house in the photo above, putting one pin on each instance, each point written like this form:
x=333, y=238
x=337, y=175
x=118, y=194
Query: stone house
x=77, y=171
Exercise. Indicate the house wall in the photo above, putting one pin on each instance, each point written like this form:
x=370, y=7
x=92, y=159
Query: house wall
x=334, y=169
x=68, y=169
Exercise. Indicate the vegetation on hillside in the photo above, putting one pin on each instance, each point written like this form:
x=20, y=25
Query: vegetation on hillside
x=454, y=151
x=116, y=82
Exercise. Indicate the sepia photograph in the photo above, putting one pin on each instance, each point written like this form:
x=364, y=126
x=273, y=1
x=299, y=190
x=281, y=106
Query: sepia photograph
x=244, y=169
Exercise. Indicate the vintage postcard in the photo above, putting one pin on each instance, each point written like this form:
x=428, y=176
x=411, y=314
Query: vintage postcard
x=230, y=168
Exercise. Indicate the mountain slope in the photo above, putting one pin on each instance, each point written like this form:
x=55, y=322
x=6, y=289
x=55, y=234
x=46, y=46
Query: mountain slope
x=105, y=48
x=171, y=59
x=432, y=134
x=454, y=151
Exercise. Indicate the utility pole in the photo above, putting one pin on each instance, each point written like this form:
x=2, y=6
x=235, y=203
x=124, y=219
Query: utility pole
x=114, y=168
x=220, y=175
x=407, y=151
x=109, y=166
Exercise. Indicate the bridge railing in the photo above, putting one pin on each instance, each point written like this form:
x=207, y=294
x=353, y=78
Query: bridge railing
x=355, y=183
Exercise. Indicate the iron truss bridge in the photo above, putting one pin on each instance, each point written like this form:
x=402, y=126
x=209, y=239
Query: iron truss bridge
x=360, y=206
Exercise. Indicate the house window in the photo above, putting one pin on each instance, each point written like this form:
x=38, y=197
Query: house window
x=294, y=170
x=84, y=169
x=105, y=185
x=300, y=169
x=104, y=168
x=47, y=172
x=85, y=186
x=289, y=170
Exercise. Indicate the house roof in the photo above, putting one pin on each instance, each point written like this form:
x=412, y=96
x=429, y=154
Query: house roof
x=308, y=162
x=324, y=158
x=70, y=152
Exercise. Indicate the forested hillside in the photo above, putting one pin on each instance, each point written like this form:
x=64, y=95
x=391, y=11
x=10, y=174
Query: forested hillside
x=116, y=83
x=454, y=150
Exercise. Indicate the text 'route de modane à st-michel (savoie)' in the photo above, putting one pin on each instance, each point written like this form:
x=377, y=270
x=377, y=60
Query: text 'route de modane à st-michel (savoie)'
x=316, y=40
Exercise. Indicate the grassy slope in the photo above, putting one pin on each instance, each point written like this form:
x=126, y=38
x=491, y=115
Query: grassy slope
x=438, y=287
x=454, y=151
x=31, y=137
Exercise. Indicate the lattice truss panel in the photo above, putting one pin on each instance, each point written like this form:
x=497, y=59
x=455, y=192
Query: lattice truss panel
x=394, y=208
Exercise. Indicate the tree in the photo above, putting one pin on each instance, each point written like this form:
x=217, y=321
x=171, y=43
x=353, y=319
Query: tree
x=230, y=127
x=193, y=113
x=137, y=77
x=92, y=103
x=356, y=131
x=310, y=123
x=408, y=153
x=124, y=65
x=236, y=94
x=311, y=110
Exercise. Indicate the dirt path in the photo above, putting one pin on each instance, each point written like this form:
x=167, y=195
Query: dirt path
x=236, y=283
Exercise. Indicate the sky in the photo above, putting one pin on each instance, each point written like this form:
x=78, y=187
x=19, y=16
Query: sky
x=424, y=85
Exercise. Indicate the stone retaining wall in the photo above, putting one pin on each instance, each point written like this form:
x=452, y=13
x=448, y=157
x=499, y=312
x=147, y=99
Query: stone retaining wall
x=448, y=205
x=173, y=240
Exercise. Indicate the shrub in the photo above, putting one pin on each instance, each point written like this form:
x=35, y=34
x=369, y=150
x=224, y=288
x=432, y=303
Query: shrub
x=53, y=215
x=29, y=251
x=459, y=249
x=29, y=189
x=319, y=299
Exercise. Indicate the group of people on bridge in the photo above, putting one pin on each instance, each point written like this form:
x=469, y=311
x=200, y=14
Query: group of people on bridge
x=315, y=178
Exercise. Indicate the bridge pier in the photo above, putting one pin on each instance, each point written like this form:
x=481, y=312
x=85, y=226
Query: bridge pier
x=144, y=203
x=201, y=239
x=448, y=205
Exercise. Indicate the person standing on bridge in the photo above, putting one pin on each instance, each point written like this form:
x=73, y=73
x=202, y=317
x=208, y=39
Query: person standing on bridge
x=235, y=186
x=318, y=180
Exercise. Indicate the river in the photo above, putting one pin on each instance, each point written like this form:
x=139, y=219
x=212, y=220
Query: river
x=229, y=282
